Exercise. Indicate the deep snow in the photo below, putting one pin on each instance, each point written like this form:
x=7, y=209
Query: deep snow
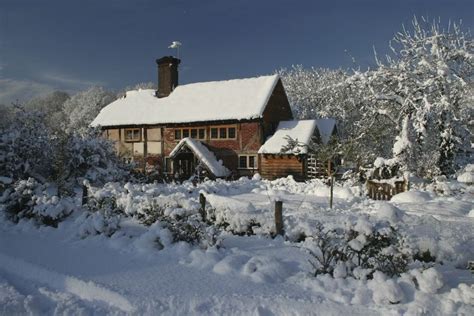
x=46, y=270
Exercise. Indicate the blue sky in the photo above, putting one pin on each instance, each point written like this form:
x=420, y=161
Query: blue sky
x=70, y=45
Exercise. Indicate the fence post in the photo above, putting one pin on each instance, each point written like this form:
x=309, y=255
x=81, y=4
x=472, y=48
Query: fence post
x=279, y=217
x=202, y=210
x=84, y=195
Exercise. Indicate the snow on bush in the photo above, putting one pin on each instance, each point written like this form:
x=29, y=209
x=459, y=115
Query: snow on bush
x=467, y=175
x=31, y=200
x=361, y=245
x=237, y=216
x=97, y=223
x=429, y=280
x=385, y=291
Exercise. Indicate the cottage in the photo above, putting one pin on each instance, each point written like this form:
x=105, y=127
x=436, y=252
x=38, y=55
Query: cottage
x=214, y=127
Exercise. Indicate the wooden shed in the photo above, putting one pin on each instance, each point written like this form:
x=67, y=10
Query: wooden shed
x=276, y=161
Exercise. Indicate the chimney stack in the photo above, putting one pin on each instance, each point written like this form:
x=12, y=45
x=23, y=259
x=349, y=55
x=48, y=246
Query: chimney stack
x=167, y=75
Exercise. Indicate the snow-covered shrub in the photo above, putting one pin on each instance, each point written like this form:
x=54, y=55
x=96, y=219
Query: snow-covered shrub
x=187, y=228
x=105, y=203
x=237, y=217
x=32, y=200
x=97, y=223
x=358, y=250
x=377, y=248
x=325, y=250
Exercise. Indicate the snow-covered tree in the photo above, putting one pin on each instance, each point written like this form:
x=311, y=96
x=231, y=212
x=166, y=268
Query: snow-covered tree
x=83, y=107
x=6, y=113
x=319, y=93
x=51, y=105
x=427, y=78
x=92, y=157
x=26, y=147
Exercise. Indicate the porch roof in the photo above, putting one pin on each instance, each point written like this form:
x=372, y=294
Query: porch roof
x=204, y=155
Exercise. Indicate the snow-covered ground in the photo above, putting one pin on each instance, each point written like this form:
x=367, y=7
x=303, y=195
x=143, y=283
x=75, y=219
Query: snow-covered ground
x=68, y=270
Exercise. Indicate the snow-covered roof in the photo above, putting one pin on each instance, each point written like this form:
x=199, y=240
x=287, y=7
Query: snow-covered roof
x=301, y=130
x=197, y=102
x=204, y=155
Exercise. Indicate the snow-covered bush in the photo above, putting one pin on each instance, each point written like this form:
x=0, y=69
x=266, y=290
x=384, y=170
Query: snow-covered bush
x=378, y=248
x=358, y=250
x=97, y=223
x=32, y=200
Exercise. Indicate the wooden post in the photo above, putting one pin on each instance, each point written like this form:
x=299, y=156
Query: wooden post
x=279, y=217
x=84, y=195
x=202, y=210
x=331, y=188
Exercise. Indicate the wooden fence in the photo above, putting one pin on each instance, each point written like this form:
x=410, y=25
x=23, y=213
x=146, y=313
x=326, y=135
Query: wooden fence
x=384, y=191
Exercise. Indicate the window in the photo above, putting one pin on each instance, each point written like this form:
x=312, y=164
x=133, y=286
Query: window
x=202, y=133
x=196, y=133
x=251, y=162
x=214, y=134
x=177, y=134
x=248, y=162
x=231, y=132
x=132, y=135
x=223, y=132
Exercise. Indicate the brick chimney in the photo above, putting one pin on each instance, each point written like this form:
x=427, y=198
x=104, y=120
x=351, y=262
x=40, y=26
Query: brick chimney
x=167, y=75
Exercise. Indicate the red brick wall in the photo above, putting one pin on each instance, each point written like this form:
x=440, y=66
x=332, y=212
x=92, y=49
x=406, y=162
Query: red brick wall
x=248, y=141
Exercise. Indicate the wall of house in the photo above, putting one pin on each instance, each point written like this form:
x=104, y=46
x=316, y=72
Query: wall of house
x=278, y=109
x=277, y=166
x=148, y=145
x=247, y=141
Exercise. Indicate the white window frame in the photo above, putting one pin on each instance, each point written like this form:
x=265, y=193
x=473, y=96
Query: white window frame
x=247, y=162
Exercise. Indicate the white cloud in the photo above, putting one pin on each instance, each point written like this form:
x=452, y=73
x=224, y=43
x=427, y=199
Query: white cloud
x=23, y=90
x=65, y=80
x=12, y=90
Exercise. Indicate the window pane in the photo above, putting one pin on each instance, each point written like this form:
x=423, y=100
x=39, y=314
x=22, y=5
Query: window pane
x=231, y=132
x=251, y=161
x=177, y=134
x=202, y=133
x=213, y=132
x=194, y=133
x=136, y=134
x=128, y=134
x=242, y=161
x=222, y=132
x=185, y=133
